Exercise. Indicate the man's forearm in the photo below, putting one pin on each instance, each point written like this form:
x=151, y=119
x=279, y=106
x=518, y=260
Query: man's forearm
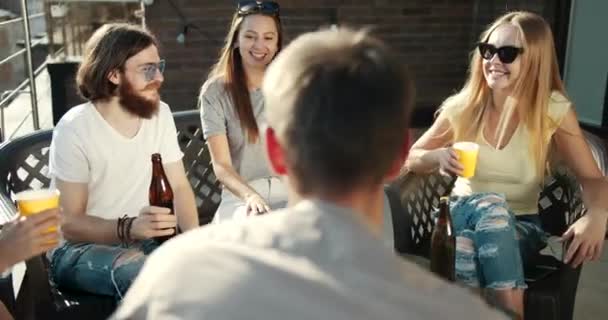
x=185, y=208
x=85, y=228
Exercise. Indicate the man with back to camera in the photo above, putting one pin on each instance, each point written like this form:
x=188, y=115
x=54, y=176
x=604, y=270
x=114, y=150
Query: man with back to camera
x=337, y=130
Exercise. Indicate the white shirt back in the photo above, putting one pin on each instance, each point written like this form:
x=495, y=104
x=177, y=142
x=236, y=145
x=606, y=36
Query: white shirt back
x=117, y=169
x=314, y=261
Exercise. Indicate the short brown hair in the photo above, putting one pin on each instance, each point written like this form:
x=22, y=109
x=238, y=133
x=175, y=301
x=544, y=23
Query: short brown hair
x=339, y=102
x=108, y=49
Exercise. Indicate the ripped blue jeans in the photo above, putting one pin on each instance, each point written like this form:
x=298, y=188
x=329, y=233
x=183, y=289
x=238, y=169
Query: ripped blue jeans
x=492, y=244
x=99, y=269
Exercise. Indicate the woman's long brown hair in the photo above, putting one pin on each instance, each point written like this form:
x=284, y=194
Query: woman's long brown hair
x=230, y=68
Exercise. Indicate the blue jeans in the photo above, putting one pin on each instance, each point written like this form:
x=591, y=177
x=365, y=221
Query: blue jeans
x=491, y=243
x=100, y=269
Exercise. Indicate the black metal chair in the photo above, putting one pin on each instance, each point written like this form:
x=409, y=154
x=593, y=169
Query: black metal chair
x=24, y=165
x=197, y=162
x=414, y=197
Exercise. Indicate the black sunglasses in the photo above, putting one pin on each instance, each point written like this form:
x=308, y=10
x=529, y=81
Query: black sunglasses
x=506, y=54
x=265, y=7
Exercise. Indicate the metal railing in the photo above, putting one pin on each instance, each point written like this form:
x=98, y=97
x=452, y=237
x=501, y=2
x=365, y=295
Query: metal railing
x=31, y=80
x=7, y=22
x=75, y=41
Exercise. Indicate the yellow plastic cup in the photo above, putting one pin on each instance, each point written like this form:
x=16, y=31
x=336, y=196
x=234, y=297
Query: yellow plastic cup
x=35, y=201
x=467, y=156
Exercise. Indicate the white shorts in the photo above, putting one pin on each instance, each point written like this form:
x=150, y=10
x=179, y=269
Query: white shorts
x=272, y=189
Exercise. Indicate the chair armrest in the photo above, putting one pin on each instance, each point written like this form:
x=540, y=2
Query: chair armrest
x=560, y=202
x=568, y=189
x=419, y=197
x=401, y=221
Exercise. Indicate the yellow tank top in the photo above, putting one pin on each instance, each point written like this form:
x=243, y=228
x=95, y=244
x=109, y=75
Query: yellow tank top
x=510, y=171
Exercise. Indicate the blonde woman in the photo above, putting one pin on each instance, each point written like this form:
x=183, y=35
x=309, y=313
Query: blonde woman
x=514, y=106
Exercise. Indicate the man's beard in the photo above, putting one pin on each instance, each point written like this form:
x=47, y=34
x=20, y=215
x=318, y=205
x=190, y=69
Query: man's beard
x=135, y=103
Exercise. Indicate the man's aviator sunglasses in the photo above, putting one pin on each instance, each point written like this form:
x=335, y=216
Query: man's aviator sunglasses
x=149, y=70
x=506, y=54
x=264, y=7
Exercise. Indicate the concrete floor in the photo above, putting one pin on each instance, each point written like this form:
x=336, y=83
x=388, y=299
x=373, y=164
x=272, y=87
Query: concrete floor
x=18, y=114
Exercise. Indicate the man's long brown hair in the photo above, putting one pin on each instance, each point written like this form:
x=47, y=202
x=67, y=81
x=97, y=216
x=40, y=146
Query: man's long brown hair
x=230, y=68
x=108, y=49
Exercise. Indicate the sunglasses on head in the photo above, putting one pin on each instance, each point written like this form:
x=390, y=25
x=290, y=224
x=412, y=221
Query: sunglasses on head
x=506, y=54
x=250, y=7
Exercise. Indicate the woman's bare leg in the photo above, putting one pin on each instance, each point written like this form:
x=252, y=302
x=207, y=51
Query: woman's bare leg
x=509, y=299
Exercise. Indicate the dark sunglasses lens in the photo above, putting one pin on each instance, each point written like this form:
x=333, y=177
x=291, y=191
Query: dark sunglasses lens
x=270, y=7
x=247, y=7
x=487, y=51
x=507, y=54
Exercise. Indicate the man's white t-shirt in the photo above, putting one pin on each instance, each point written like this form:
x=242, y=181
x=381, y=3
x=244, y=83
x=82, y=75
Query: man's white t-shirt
x=117, y=169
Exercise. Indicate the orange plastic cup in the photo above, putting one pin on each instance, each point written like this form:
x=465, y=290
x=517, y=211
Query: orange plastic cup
x=35, y=201
x=467, y=156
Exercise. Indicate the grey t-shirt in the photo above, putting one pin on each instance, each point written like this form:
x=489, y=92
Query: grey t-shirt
x=313, y=261
x=219, y=116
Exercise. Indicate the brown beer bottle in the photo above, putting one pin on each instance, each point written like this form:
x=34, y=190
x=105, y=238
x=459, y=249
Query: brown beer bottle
x=443, y=243
x=161, y=194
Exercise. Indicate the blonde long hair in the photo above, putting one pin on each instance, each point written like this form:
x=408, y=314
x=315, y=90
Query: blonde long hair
x=539, y=76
